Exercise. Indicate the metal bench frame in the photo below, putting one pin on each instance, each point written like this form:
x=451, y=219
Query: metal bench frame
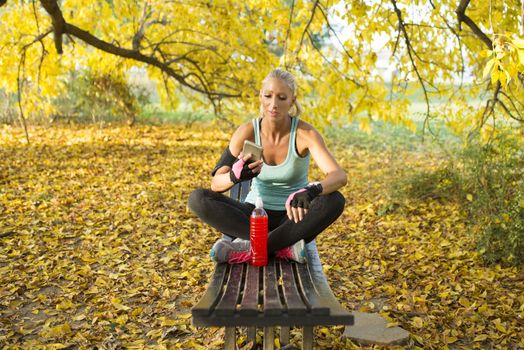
x=282, y=294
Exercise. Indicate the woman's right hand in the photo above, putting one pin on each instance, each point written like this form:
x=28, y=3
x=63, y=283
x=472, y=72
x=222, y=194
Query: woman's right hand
x=243, y=169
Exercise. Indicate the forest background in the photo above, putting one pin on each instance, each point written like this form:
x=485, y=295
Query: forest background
x=113, y=111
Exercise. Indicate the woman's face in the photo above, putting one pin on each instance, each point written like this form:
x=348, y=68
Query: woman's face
x=276, y=98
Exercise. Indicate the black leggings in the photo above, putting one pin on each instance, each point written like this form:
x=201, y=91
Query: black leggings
x=231, y=217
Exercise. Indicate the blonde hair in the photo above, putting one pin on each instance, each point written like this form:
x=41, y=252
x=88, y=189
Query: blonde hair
x=290, y=81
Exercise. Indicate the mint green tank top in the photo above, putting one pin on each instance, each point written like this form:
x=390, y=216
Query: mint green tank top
x=276, y=182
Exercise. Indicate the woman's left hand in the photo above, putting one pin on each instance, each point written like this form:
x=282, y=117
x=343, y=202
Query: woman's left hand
x=298, y=202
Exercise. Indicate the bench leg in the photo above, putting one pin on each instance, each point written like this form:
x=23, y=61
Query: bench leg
x=252, y=334
x=230, y=339
x=307, y=338
x=269, y=338
x=284, y=335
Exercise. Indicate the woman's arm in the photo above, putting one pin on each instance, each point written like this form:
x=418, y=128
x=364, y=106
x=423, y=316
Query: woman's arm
x=221, y=181
x=335, y=177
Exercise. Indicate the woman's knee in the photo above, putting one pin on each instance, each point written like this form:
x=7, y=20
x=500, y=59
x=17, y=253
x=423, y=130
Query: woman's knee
x=337, y=200
x=333, y=202
x=197, y=199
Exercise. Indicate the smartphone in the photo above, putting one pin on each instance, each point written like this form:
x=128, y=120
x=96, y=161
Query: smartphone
x=254, y=149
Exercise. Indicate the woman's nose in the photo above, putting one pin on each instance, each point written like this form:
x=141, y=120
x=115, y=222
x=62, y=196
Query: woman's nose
x=273, y=103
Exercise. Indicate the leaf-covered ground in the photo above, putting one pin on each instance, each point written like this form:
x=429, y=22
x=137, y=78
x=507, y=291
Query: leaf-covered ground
x=98, y=248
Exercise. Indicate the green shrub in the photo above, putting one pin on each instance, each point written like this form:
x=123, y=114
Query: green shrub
x=443, y=183
x=92, y=97
x=494, y=173
x=488, y=181
x=8, y=108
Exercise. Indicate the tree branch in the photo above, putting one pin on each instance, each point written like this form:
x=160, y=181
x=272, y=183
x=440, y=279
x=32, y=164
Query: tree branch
x=520, y=117
x=141, y=28
x=60, y=26
x=137, y=56
x=307, y=26
x=410, y=50
x=288, y=31
x=463, y=18
x=331, y=63
x=459, y=42
x=337, y=37
x=490, y=105
x=59, y=22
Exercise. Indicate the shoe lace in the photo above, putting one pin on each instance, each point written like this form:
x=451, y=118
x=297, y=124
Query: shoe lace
x=239, y=257
x=284, y=254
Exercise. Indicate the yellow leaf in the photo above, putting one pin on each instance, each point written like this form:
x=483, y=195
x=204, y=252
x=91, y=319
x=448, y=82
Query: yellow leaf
x=451, y=340
x=464, y=302
x=56, y=331
x=488, y=68
x=485, y=53
x=503, y=78
x=64, y=305
x=79, y=317
x=495, y=76
x=192, y=345
x=469, y=197
x=499, y=326
x=137, y=311
x=170, y=322
x=517, y=42
x=483, y=308
x=365, y=125
x=481, y=337
x=417, y=322
x=122, y=319
x=117, y=303
x=520, y=54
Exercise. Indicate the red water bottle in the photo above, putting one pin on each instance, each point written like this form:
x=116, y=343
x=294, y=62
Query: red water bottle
x=258, y=233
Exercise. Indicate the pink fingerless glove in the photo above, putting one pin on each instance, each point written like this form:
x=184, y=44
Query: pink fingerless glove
x=303, y=197
x=240, y=171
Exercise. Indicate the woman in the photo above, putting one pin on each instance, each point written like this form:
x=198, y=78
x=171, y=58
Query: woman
x=297, y=211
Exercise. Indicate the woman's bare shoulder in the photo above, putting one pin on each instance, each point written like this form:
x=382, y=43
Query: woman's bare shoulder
x=306, y=130
x=242, y=133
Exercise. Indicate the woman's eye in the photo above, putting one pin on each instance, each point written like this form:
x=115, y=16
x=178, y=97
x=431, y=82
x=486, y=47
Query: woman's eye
x=267, y=96
x=283, y=98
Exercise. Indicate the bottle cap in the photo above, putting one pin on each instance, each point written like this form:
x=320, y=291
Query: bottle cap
x=258, y=203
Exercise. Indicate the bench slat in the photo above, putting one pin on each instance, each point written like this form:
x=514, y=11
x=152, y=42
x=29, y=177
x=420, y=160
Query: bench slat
x=227, y=304
x=317, y=305
x=213, y=292
x=272, y=304
x=251, y=289
x=295, y=304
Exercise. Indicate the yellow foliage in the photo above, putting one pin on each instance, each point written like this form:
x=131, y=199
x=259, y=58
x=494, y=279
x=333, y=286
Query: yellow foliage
x=96, y=236
x=227, y=47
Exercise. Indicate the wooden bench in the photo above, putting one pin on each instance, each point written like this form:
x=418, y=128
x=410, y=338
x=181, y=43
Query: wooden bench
x=282, y=294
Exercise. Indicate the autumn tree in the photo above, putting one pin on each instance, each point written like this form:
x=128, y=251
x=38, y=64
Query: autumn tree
x=216, y=52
